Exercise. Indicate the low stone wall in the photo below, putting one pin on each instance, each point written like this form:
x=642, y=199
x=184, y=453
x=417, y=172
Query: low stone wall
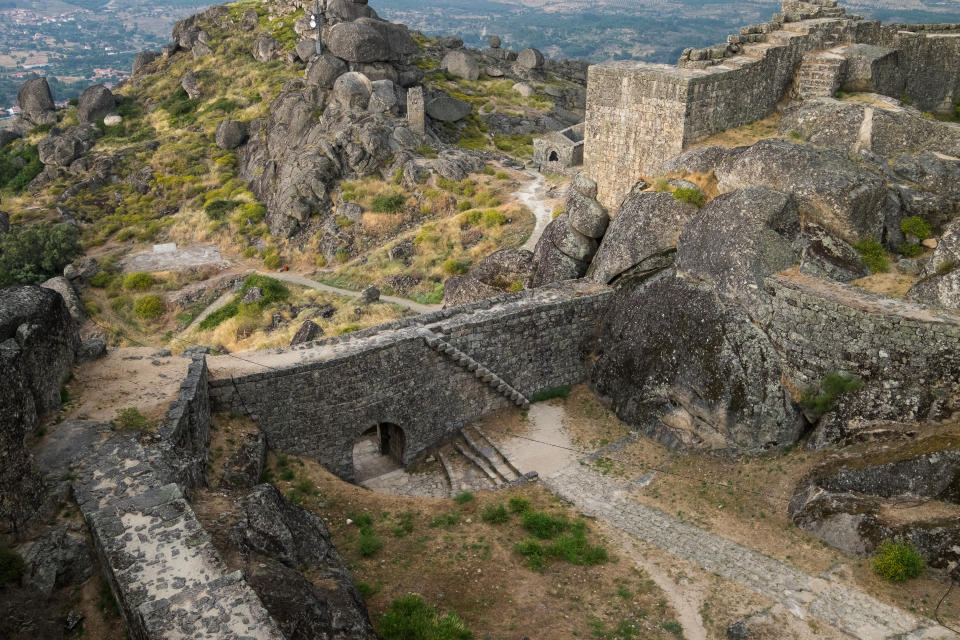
x=185, y=432
x=906, y=351
x=320, y=408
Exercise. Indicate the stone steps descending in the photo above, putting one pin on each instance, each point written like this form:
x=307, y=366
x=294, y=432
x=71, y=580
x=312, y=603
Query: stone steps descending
x=482, y=374
x=479, y=442
x=467, y=452
x=465, y=470
x=819, y=75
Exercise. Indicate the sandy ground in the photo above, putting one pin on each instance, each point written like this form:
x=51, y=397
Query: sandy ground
x=126, y=377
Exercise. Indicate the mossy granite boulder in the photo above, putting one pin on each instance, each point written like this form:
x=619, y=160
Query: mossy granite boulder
x=36, y=102
x=96, y=102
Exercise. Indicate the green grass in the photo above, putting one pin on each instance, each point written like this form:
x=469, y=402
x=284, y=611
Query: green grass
x=130, y=419
x=916, y=226
x=410, y=618
x=19, y=165
x=824, y=397
x=495, y=514
x=542, y=525
x=518, y=504
x=393, y=203
x=448, y=519
x=874, y=255
x=148, y=307
x=897, y=561
x=273, y=291
x=369, y=543
x=463, y=497
x=690, y=195
x=551, y=393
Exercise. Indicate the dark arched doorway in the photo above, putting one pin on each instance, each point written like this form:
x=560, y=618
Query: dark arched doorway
x=554, y=157
x=379, y=450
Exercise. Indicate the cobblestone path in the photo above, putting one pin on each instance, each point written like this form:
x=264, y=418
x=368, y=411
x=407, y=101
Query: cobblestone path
x=806, y=596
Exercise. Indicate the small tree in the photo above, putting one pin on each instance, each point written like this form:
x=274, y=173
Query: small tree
x=33, y=253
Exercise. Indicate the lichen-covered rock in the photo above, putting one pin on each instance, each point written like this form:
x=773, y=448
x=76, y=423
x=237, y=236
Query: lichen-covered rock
x=74, y=305
x=91, y=349
x=642, y=235
x=95, y=103
x=569, y=241
x=694, y=373
x=940, y=284
x=530, y=59
x=383, y=98
x=829, y=188
x=587, y=216
x=266, y=49
x=369, y=40
x=504, y=269
x=348, y=11
x=826, y=256
x=306, y=49
x=324, y=70
x=36, y=102
x=370, y=295
x=230, y=134
x=445, y=108
x=456, y=164
x=461, y=64
x=142, y=60
x=460, y=290
x=551, y=265
x=308, y=332
x=352, y=91
x=62, y=149
x=244, y=467
x=304, y=611
x=697, y=160
x=191, y=85
x=57, y=559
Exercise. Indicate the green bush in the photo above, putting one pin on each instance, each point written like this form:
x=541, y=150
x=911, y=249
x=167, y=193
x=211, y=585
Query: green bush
x=31, y=254
x=272, y=261
x=148, y=307
x=19, y=165
x=101, y=279
x=464, y=205
x=410, y=618
x=821, y=399
x=874, y=255
x=218, y=209
x=916, y=226
x=394, y=203
x=463, y=497
x=11, y=565
x=472, y=217
x=910, y=250
x=181, y=108
x=138, y=280
x=897, y=561
x=495, y=514
x=542, y=525
x=272, y=291
x=369, y=543
x=130, y=419
x=455, y=267
x=518, y=504
x=569, y=543
x=493, y=218
x=690, y=195
x=551, y=393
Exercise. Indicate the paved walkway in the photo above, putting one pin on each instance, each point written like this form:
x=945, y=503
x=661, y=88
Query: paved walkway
x=528, y=196
x=841, y=606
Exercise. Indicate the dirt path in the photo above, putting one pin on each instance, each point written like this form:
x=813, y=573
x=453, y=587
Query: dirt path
x=303, y=281
x=528, y=196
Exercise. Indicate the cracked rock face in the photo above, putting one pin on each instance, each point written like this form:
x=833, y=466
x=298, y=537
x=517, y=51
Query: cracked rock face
x=57, y=559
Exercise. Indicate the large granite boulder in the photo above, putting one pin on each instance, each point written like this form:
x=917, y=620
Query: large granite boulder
x=352, y=91
x=334, y=610
x=324, y=70
x=697, y=160
x=692, y=370
x=504, y=269
x=348, y=11
x=62, y=149
x=461, y=64
x=530, y=59
x=306, y=49
x=74, y=305
x=552, y=262
x=642, y=236
x=266, y=49
x=96, y=103
x=308, y=332
x=445, y=108
x=230, y=134
x=587, y=216
x=829, y=188
x=57, y=559
x=36, y=102
x=369, y=40
x=142, y=60
x=460, y=290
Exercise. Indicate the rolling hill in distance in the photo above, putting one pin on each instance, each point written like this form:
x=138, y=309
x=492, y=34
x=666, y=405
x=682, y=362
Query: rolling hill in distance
x=81, y=42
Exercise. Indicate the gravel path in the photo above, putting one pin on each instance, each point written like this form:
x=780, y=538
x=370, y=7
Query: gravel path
x=528, y=196
x=841, y=606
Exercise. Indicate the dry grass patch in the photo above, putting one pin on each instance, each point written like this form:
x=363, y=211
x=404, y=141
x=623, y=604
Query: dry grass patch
x=746, y=135
x=892, y=284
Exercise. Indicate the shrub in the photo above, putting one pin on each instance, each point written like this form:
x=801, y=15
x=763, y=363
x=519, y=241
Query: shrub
x=369, y=543
x=916, y=226
x=495, y=514
x=410, y=618
x=101, y=279
x=218, y=209
x=493, y=218
x=393, y=203
x=272, y=291
x=130, y=419
x=272, y=261
x=11, y=565
x=455, y=267
x=366, y=589
x=873, y=255
x=464, y=205
x=501, y=175
x=463, y=497
x=570, y=545
x=823, y=398
x=33, y=253
x=148, y=307
x=542, y=525
x=518, y=504
x=448, y=519
x=138, y=280
x=897, y=561
x=549, y=394
x=910, y=250
x=18, y=167
x=472, y=217
x=690, y=195
x=342, y=255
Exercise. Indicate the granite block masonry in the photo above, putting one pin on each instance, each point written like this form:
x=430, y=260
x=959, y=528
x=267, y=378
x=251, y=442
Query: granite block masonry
x=639, y=115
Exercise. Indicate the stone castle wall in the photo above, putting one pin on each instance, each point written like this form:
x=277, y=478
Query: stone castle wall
x=319, y=409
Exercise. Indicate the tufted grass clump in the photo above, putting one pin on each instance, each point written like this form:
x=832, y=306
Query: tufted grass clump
x=148, y=307
x=874, y=255
x=463, y=497
x=455, y=267
x=273, y=291
x=130, y=419
x=690, y=195
x=824, y=397
x=544, y=526
x=495, y=514
x=897, y=561
x=138, y=280
x=369, y=543
x=518, y=504
x=567, y=542
x=917, y=227
x=410, y=618
x=392, y=203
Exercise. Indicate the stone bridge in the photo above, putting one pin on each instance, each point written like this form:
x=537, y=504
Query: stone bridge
x=426, y=377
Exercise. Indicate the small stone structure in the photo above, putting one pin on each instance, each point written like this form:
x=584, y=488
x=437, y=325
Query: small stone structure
x=639, y=115
x=559, y=151
x=416, y=114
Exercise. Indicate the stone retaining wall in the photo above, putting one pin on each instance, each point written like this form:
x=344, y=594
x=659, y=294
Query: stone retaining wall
x=319, y=409
x=185, y=431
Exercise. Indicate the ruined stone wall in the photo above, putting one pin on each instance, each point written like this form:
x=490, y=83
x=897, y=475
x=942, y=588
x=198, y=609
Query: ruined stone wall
x=185, y=432
x=319, y=409
x=908, y=352
x=929, y=61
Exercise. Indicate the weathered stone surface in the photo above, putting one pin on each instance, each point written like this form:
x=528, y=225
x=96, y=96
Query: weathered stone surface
x=459, y=290
x=586, y=214
x=370, y=295
x=694, y=374
x=940, y=285
x=305, y=611
x=191, y=85
x=62, y=149
x=642, y=236
x=367, y=40
x=308, y=332
x=201, y=50
x=275, y=527
x=530, y=59
x=91, y=349
x=445, y=108
x=74, y=305
x=383, y=98
x=36, y=102
x=352, y=91
x=306, y=49
x=829, y=189
x=249, y=20
x=7, y=136
x=826, y=256
x=461, y=64
x=230, y=134
x=142, y=60
x=377, y=70
x=523, y=89
x=569, y=241
x=57, y=559
x=348, y=11
x=456, y=165
x=504, y=269
x=325, y=69
x=551, y=265
x=266, y=49
x=494, y=42
x=244, y=467
x=697, y=160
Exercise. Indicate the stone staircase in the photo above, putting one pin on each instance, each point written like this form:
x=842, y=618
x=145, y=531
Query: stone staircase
x=819, y=75
x=472, y=462
x=482, y=374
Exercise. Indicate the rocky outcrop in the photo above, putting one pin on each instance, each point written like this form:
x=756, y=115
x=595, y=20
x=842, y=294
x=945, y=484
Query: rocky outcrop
x=74, y=305
x=444, y=108
x=461, y=64
x=694, y=372
x=57, y=559
x=562, y=253
x=308, y=332
x=460, y=290
x=36, y=102
x=244, y=467
x=230, y=134
x=324, y=70
x=61, y=149
x=940, y=284
x=504, y=269
x=370, y=40
x=143, y=59
x=95, y=103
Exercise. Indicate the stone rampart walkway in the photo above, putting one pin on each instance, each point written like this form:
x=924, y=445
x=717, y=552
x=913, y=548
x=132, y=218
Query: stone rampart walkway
x=838, y=605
